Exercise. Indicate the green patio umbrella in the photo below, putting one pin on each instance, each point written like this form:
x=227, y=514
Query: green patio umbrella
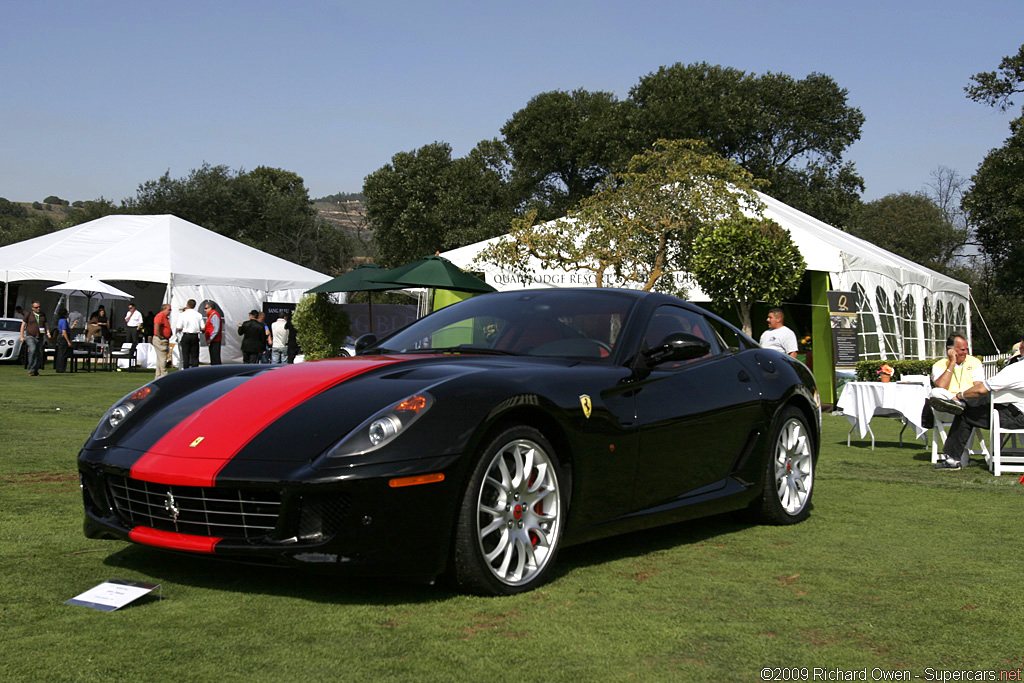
x=356, y=280
x=431, y=271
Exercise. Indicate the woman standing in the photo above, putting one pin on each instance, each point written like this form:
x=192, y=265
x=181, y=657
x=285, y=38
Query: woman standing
x=63, y=352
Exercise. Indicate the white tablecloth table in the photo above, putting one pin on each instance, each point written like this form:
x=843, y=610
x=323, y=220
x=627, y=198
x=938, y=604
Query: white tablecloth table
x=861, y=401
x=145, y=355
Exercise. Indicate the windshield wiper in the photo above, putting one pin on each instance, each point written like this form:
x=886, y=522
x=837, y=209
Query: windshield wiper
x=464, y=348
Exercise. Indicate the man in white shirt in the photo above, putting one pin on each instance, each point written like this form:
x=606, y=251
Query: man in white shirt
x=279, y=346
x=132, y=320
x=778, y=336
x=976, y=413
x=190, y=324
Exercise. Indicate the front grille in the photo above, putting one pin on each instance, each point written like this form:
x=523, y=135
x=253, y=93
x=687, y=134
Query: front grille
x=229, y=513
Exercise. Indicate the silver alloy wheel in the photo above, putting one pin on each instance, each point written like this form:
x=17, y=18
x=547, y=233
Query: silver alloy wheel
x=794, y=467
x=518, y=512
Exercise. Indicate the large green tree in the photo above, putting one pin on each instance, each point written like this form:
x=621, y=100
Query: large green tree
x=792, y=133
x=995, y=202
x=562, y=145
x=267, y=208
x=636, y=230
x=744, y=260
x=912, y=226
x=425, y=201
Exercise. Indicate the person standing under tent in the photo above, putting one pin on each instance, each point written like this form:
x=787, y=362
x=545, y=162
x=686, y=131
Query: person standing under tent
x=279, y=333
x=214, y=331
x=63, y=350
x=33, y=335
x=190, y=324
x=132, y=321
x=161, y=338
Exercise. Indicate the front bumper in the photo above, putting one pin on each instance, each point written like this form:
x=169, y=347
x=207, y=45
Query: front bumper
x=352, y=521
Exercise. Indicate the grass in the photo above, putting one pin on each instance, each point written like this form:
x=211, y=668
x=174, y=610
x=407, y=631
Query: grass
x=898, y=567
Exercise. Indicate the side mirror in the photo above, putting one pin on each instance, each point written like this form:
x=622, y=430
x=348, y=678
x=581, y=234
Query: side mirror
x=364, y=342
x=677, y=346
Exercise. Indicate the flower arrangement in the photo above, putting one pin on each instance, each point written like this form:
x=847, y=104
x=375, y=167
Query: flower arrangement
x=885, y=372
x=805, y=342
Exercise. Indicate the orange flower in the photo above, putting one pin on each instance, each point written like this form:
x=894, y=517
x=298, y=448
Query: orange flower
x=886, y=370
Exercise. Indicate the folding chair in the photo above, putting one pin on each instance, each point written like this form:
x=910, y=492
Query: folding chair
x=128, y=353
x=1007, y=454
x=941, y=429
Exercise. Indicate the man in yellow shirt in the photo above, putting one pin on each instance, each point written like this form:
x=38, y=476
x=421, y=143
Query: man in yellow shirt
x=953, y=375
x=957, y=372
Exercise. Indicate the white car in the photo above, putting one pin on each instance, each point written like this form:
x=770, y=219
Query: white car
x=10, y=339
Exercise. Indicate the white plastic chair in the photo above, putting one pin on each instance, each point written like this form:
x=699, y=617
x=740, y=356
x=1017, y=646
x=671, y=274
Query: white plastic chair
x=1007, y=455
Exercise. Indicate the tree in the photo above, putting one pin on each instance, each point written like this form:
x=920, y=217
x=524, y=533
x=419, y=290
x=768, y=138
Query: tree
x=562, y=145
x=266, y=208
x=995, y=88
x=53, y=199
x=424, y=201
x=995, y=202
x=12, y=210
x=792, y=133
x=637, y=228
x=912, y=226
x=743, y=260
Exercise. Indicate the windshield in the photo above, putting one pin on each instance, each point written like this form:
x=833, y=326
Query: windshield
x=554, y=323
x=10, y=326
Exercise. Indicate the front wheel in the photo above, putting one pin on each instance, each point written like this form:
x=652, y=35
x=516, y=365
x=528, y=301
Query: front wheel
x=512, y=514
x=789, y=480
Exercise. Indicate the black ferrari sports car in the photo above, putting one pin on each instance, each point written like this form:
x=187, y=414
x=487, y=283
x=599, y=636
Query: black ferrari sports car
x=474, y=443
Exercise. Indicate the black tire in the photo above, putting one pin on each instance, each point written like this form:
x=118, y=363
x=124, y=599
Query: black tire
x=511, y=516
x=789, y=475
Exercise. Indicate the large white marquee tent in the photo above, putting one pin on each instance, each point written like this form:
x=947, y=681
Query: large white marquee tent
x=907, y=310
x=157, y=259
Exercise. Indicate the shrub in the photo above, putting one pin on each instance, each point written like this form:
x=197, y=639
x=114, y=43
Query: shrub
x=867, y=370
x=320, y=327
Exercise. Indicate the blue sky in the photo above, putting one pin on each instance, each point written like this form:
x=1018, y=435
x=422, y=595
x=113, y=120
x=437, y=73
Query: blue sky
x=98, y=97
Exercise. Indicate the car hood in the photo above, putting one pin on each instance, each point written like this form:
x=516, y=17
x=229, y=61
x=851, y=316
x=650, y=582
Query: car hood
x=289, y=413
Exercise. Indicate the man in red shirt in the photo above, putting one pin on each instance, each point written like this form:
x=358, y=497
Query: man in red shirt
x=161, y=336
x=214, y=332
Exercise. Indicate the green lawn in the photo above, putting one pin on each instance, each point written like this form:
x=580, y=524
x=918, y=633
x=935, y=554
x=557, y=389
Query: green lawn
x=898, y=567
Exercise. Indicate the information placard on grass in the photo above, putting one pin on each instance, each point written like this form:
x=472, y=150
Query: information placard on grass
x=112, y=595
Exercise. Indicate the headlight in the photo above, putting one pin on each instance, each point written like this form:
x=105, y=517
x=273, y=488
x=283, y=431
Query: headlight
x=382, y=428
x=117, y=415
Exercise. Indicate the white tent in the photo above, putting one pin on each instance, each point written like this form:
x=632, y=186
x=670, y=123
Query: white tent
x=183, y=260
x=907, y=310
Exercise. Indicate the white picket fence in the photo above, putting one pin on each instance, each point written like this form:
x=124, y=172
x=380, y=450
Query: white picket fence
x=990, y=363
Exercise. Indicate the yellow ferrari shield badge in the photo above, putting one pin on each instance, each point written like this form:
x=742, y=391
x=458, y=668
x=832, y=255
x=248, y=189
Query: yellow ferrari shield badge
x=587, y=405
x=196, y=442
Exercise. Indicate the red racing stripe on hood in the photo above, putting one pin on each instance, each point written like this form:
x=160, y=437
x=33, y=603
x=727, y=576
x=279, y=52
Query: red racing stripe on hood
x=198, y=448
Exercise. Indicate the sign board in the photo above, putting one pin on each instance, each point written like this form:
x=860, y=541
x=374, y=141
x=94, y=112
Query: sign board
x=112, y=595
x=842, y=312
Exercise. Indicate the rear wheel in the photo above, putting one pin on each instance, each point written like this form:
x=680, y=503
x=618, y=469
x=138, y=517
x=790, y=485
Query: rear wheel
x=789, y=480
x=512, y=515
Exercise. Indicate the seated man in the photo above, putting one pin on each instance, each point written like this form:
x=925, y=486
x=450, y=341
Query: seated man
x=958, y=371
x=976, y=413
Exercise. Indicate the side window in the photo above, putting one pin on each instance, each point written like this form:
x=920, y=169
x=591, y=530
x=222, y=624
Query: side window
x=727, y=337
x=670, y=319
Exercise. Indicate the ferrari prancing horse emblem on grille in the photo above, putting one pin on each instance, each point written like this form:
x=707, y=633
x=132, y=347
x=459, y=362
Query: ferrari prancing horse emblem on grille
x=172, y=508
x=587, y=405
